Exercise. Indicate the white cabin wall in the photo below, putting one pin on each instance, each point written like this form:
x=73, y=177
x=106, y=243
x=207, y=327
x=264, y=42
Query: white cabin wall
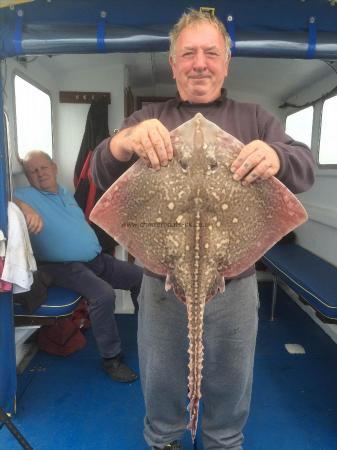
x=319, y=234
x=71, y=118
x=269, y=103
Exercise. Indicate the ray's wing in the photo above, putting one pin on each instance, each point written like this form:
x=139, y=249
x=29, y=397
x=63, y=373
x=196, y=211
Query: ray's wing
x=240, y=223
x=143, y=210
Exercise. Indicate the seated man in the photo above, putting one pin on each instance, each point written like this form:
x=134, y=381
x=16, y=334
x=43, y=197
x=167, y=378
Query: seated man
x=70, y=253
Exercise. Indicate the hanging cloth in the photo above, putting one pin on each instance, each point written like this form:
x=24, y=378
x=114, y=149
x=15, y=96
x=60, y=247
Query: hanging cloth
x=96, y=130
x=2, y=244
x=86, y=193
x=4, y=285
x=19, y=260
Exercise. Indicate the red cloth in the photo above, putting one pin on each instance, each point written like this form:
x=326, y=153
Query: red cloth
x=62, y=338
x=65, y=336
x=86, y=191
x=5, y=286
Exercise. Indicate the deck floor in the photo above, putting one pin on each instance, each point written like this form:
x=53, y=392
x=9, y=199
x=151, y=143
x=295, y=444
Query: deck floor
x=69, y=403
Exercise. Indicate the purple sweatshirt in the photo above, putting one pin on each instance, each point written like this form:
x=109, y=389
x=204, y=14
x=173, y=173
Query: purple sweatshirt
x=245, y=121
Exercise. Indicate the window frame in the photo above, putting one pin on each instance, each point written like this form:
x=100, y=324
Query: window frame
x=7, y=139
x=313, y=106
x=41, y=88
x=319, y=106
x=325, y=169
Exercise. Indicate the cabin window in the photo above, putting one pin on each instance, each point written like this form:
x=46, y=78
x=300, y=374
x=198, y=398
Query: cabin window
x=327, y=154
x=33, y=117
x=299, y=125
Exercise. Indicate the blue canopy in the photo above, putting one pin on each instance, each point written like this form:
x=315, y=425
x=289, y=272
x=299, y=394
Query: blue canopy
x=266, y=28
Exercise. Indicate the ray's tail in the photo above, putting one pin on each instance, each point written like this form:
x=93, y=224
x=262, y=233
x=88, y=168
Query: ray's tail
x=195, y=313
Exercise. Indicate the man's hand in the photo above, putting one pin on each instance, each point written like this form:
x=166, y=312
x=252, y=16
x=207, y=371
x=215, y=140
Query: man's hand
x=33, y=219
x=150, y=140
x=256, y=161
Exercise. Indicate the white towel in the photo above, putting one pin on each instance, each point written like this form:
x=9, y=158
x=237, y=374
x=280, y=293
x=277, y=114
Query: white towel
x=19, y=260
x=2, y=244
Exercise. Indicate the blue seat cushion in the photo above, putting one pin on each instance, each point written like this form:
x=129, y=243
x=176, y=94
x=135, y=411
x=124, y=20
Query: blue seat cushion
x=314, y=279
x=60, y=302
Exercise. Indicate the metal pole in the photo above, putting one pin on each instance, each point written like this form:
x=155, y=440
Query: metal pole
x=15, y=432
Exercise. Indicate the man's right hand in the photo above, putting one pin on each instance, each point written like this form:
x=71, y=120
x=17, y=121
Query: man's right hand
x=33, y=219
x=150, y=140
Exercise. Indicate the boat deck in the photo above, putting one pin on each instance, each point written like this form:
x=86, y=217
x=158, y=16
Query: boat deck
x=69, y=403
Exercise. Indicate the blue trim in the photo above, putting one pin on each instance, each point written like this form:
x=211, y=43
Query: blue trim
x=291, y=15
x=101, y=35
x=7, y=338
x=312, y=38
x=262, y=28
x=18, y=35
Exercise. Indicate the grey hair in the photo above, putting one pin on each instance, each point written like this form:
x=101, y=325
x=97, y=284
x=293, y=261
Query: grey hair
x=31, y=153
x=193, y=17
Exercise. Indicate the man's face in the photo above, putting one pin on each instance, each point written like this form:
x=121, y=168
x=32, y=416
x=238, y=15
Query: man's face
x=41, y=173
x=200, y=63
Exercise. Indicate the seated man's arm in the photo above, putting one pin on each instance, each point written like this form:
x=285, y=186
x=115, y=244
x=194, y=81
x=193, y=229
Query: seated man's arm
x=33, y=219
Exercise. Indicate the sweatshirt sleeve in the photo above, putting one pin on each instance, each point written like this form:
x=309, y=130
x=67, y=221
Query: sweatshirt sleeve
x=105, y=168
x=296, y=160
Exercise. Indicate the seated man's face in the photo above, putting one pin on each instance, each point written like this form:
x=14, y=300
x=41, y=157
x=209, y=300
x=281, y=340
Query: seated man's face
x=41, y=173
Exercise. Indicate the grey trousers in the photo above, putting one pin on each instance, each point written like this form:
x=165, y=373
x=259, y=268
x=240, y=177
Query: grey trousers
x=97, y=280
x=230, y=329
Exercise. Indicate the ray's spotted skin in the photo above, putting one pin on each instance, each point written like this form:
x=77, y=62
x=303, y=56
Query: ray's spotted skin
x=191, y=222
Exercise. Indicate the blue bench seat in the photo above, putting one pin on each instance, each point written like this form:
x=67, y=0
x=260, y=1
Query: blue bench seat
x=60, y=302
x=312, y=278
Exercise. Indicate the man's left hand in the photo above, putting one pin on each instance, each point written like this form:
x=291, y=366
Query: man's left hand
x=256, y=161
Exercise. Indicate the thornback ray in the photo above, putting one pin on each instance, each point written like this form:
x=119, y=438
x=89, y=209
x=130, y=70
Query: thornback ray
x=192, y=223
